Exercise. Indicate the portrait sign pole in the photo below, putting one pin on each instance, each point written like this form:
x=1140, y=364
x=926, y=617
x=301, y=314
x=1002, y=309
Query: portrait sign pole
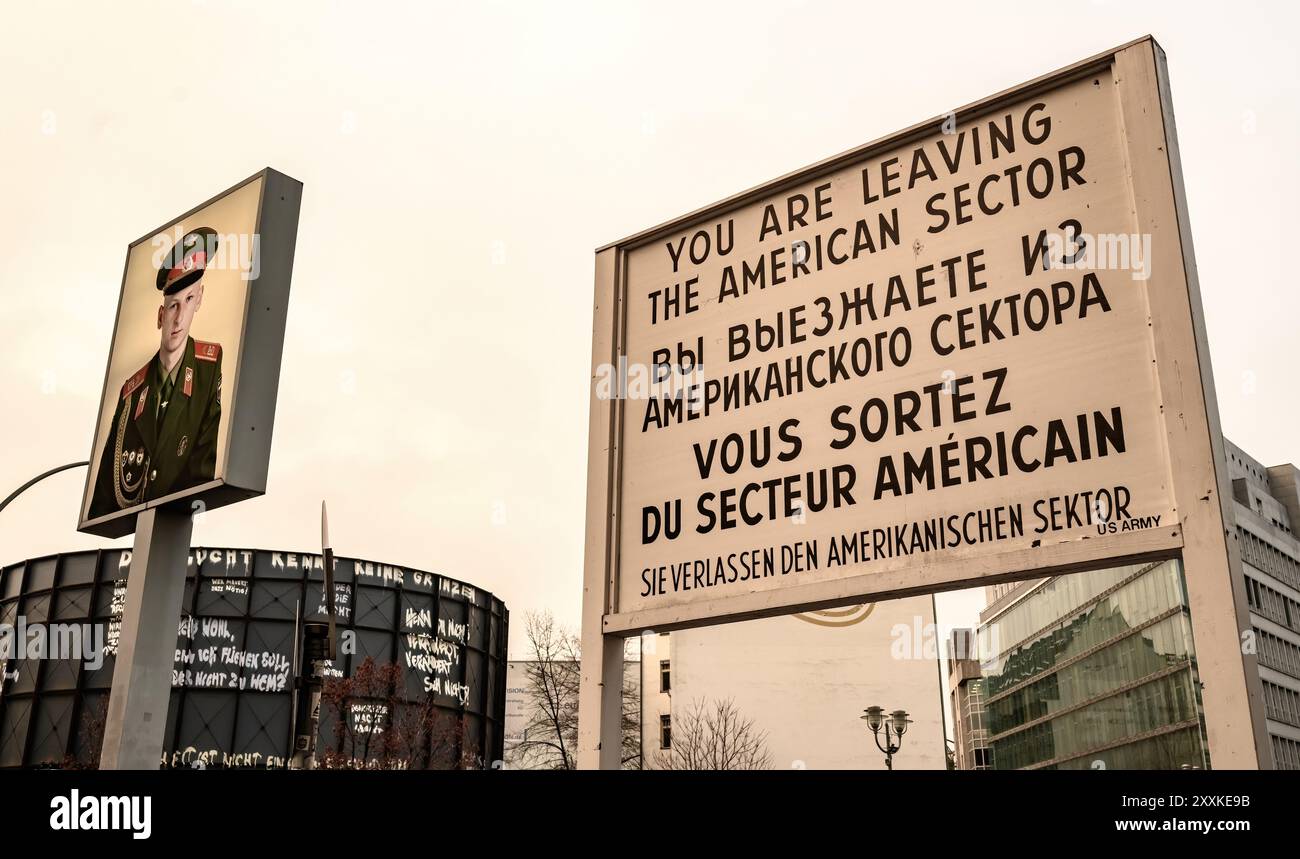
x=142, y=677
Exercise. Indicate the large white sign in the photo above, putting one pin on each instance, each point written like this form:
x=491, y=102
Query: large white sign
x=940, y=351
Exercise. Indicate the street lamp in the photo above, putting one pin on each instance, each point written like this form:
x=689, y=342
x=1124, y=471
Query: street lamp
x=895, y=725
x=37, y=479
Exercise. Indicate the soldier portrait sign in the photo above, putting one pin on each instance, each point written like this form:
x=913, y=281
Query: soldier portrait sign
x=199, y=324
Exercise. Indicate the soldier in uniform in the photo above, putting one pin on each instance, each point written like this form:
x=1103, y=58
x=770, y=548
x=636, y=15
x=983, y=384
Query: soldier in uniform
x=163, y=437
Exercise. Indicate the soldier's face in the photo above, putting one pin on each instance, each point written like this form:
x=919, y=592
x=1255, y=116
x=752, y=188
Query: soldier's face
x=176, y=314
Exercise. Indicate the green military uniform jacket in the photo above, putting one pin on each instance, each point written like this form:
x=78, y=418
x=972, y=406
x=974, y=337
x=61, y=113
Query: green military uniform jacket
x=154, y=450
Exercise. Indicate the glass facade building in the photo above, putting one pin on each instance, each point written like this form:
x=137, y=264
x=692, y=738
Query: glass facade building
x=1094, y=671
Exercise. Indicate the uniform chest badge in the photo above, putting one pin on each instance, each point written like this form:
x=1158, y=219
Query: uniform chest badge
x=180, y=448
x=139, y=404
x=189, y=381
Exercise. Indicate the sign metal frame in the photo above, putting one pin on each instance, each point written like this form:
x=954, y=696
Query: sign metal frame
x=1202, y=535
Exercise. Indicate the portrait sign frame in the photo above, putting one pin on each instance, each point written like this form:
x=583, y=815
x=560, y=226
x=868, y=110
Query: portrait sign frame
x=248, y=381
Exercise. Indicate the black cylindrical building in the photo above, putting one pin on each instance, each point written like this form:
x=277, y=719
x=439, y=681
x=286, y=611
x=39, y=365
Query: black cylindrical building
x=419, y=680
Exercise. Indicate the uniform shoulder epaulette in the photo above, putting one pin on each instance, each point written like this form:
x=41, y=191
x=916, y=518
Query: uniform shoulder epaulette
x=135, y=381
x=207, y=351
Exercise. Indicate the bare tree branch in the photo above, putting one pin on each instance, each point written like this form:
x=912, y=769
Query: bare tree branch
x=714, y=736
x=553, y=675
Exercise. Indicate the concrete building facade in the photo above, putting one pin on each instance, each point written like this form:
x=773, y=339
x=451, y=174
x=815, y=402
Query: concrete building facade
x=1267, y=502
x=966, y=703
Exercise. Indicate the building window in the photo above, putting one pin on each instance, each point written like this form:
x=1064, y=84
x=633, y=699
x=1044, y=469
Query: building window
x=665, y=732
x=665, y=676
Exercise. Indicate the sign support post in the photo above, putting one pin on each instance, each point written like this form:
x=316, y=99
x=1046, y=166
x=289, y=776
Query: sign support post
x=1232, y=692
x=142, y=676
x=601, y=688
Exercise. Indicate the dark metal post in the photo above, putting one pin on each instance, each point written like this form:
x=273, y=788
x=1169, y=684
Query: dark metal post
x=37, y=479
x=319, y=649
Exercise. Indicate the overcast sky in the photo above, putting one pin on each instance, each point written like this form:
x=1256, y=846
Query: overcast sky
x=460, y=165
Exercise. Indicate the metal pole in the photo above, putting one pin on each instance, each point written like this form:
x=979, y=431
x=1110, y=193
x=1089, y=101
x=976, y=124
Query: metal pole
x=146, y=647
x=291, y=759
x=319, y=648
x=600, y=708
x=316, y=682
x=305, y=756
x=37, y=479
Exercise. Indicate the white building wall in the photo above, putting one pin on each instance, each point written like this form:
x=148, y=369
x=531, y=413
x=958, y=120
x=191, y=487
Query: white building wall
x=655, y=701
x=805, y=680
x=520, y=704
